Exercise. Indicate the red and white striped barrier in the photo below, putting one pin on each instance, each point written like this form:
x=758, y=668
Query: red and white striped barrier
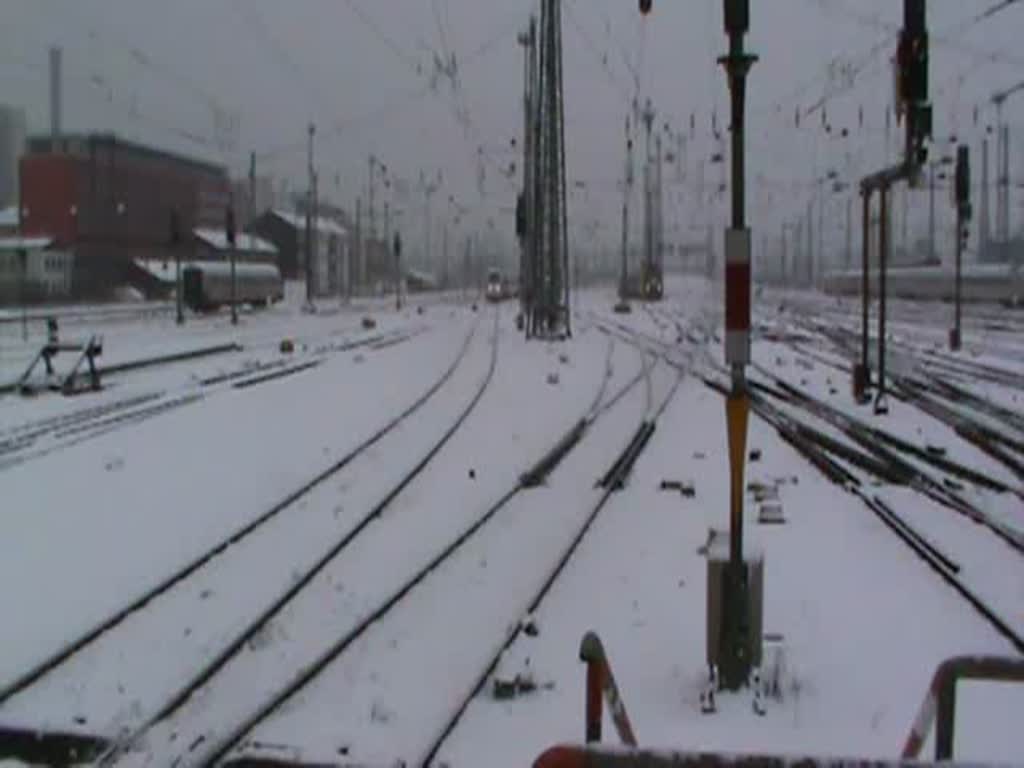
x=940, y=701
x=601, y=686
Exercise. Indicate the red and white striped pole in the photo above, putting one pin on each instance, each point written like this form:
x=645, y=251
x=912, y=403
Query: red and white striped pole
x=735, y=662
x=601, y=686
x=939, y=705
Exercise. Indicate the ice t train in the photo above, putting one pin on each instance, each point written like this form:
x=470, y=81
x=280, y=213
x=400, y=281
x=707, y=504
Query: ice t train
x=1000, y=283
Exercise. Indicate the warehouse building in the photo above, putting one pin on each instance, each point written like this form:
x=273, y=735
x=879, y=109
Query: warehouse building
x=108, y=203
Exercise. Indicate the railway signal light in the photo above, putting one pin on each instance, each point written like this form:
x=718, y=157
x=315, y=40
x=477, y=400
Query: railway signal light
x=919, y=130
x=912, y=56
x=963, y=177
x=229, y=231
x=912, y=80
x=737, y=17
x=645, y=7
x=229, y=225
x=175, y=238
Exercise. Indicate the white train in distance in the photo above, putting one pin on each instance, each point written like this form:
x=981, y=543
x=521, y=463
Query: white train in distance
x=207, y=285
x=994, y=283
x=499, y=287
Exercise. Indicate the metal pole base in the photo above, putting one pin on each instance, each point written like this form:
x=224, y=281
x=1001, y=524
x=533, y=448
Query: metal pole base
x=881, y=404
x=707, y=695
x=734, y=659
x=861, y=384
x=708, y=701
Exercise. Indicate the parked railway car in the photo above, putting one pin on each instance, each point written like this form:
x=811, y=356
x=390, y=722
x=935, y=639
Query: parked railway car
x=207, y=285
x=980, y=283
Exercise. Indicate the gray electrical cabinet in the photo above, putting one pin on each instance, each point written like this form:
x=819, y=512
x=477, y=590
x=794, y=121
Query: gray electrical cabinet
x=718, y=561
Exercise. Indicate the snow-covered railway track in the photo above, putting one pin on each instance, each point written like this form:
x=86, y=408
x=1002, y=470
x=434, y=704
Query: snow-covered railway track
x=951, y=404
x=838, y=464
x=220, y=740
x=861, y=460
x=849, y=340
x=40, y=438
x=907, y=460
x=13, y=438
x=177, y=581
x=854, y=456
x=241, y=740
x=612, y=481
x=1001, y=330
x=194, y=742
x=196, y=735
x=24, y=448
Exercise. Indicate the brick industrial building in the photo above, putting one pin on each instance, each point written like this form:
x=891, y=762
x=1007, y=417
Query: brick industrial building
x=108, y=202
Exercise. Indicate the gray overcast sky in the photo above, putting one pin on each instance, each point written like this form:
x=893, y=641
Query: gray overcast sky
x=361, y=70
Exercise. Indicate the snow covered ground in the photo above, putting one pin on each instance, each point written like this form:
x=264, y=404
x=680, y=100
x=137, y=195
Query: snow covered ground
x=354, y=619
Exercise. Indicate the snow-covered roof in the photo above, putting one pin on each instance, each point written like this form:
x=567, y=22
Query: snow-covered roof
x=166, y=272
x=26, y=243
x=162, y=269
x=320, y=224
x=9, y=216
x=217, y=239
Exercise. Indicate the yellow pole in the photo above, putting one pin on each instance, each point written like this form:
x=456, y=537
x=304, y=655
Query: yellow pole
x=737, y=412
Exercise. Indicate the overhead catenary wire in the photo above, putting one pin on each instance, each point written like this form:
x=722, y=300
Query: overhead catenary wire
x=601, y=58
x=865, y=65
x=111, y=41
x=281, y=54
x=128, y=108
x=337, y=129
x=147, y=60
x=859, y=74
x=457, y=102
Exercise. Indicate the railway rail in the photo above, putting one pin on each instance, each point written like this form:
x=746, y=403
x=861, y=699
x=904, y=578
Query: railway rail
x=613, y=481
x=187, y=570
x=824, y=456
x=209, y=750
x=123, y=751
x=838, y=461
x=19, y=443
x=926, y=390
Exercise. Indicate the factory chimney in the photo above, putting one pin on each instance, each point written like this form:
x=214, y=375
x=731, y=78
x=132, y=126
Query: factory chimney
x=55, y=93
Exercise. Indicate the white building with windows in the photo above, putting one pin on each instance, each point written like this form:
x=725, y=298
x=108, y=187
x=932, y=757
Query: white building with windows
x=32, y=271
